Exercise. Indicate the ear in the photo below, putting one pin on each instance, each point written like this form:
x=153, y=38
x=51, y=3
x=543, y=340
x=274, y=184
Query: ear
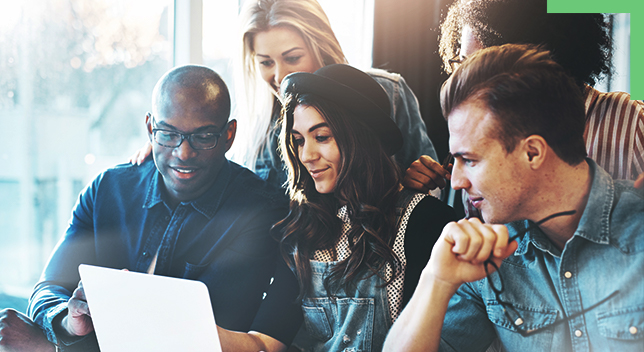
x=535, y=149
x=148, y=125
x=230, y=133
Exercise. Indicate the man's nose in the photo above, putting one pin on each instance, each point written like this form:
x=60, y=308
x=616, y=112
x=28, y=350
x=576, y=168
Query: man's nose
x=459, y=179
x=184, y=151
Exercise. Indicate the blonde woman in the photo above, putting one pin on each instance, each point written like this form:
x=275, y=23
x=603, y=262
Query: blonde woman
x=280, y=37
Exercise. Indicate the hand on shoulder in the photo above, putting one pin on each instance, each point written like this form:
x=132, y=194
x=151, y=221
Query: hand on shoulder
x=425, y=174
x=639, y=183
x=141, y=155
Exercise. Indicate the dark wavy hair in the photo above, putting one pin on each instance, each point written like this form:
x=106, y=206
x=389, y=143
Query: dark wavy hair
x=579, y=42
x=368, y=183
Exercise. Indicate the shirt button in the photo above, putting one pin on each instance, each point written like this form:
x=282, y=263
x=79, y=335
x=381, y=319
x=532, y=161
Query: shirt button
x=578, y=333
x=568, y=274
x=632, y=330
x=145, y=254
x=518, y=322
x=167, y=218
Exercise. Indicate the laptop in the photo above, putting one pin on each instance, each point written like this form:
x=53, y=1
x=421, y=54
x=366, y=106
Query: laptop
x=140, y=312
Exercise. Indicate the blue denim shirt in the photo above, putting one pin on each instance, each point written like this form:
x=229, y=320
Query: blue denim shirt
x=404, y=111
x=543, y=283
x=121, y=219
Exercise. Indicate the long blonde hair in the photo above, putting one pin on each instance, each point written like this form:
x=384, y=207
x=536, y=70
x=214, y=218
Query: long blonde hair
x=255, y=99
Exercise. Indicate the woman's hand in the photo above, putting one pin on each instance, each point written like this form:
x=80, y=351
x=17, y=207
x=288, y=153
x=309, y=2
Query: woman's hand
x=639, y=183
x=140, y=155
x=425, y=174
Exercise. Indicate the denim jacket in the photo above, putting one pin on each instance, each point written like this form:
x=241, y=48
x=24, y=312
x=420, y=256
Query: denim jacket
x=404, y=111
x=546, y=285
x=121, y=219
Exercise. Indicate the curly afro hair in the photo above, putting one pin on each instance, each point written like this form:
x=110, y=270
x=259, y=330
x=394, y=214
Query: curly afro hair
x=579, y=42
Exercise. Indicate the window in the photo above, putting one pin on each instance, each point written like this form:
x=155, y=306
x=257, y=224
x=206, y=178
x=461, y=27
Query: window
x=76, y=85
x=77, y=77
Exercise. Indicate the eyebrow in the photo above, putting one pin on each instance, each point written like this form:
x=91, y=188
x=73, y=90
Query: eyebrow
x=283, y=54
x=313, y=128
x=292, y=49
x=459, y=154
x=198, y=130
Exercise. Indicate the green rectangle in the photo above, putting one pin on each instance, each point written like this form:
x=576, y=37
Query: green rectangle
x=636, y=9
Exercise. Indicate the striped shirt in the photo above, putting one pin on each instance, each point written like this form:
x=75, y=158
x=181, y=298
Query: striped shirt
x=614, y=132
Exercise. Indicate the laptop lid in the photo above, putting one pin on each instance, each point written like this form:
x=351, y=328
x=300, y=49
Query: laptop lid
x=140, y=312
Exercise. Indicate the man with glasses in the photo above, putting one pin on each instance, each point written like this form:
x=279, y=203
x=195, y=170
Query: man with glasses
x=188, y=213
x=565, y=273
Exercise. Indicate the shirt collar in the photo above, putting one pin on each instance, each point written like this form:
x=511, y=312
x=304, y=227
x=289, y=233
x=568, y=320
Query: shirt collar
x=205, y=204
x=594, y=222
x=154, y=194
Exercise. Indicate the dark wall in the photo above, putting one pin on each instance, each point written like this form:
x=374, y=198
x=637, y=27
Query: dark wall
x=406, y=42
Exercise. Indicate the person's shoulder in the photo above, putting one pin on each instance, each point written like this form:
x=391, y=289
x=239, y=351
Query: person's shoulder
x=431, y=204
x=126, y=173
x=601, y=101
x=627, y=217
x=626, y=193
x=430, y=212
x=393, y=83
x=243, y=181
x=425, y=225
x=381, y=75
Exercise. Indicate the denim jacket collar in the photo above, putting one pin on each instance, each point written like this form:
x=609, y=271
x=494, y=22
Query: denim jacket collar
x=206, y=204
x=594, y=223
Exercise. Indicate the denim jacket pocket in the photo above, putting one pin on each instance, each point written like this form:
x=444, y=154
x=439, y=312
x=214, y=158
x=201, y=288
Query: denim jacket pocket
x=339, y=324
x=533, y=318
x=622, y=324
x=317, y=323
x=193, y=271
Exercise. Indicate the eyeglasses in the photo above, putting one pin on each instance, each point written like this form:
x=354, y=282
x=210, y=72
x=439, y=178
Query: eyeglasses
x=508, y=309
x=449, y=159
x=197, y=141
x=456, y=61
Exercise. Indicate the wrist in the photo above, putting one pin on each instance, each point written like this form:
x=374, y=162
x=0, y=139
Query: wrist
x=429, y=279
x=65, y=327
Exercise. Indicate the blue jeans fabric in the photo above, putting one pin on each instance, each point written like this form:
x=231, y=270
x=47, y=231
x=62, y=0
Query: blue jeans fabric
x=545, y=285
x=121, y=219
x=353, y=319
x=404, y=111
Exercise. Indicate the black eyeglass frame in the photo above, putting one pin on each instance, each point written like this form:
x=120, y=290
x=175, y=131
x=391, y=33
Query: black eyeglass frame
x=449, y=159
x=507, y=307
x=188, y=136
x=456, y=60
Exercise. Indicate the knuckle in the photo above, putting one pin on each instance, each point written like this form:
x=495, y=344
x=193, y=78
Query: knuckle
x=475, y=221
x=463, y=221
x=476, y=239
x=452, y=227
